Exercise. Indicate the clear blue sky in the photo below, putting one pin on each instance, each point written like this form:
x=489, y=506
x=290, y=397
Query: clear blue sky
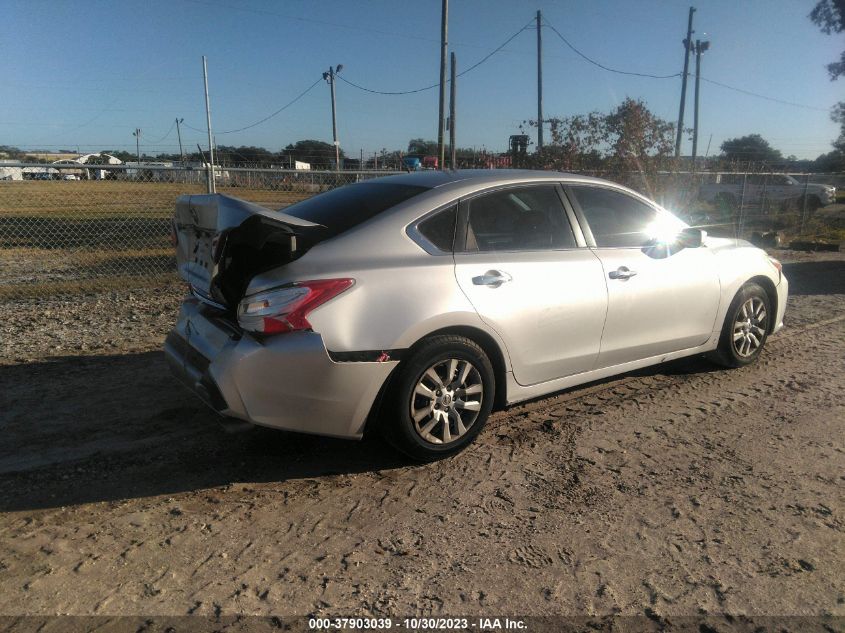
x=88, y=73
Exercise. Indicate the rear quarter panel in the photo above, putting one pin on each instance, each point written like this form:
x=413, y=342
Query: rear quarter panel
x=401, y=293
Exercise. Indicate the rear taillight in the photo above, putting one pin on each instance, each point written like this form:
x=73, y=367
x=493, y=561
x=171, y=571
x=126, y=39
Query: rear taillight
x=286, y=309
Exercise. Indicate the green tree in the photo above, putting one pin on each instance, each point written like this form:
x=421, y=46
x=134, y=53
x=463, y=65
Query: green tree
x=12, y=153
x=97, y=159
x=245, y=155
x=630, y=144
x=838, y=115
x=831, y=162
x=751, y=147
x=317, y=153
x=123, y=155
x=638, y=139
x=829, y=16
x=422, y=147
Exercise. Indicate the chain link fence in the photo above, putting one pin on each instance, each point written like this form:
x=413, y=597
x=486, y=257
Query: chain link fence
x=66, y=229
x=69, y=229
x=771, y=209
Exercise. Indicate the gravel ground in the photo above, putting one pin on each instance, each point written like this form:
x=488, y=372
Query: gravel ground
x=677, y=490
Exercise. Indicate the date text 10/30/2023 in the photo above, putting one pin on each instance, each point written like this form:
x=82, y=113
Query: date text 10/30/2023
x=418, y=624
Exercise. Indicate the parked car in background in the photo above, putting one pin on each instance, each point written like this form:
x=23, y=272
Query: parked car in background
x=412, y=163
x=752, y=189
x=414, y=304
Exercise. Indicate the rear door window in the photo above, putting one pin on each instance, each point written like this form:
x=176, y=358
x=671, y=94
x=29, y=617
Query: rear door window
x=518, y=219
x=346, y=207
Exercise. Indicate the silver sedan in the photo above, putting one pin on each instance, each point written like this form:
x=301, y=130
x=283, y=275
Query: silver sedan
x=415, y=304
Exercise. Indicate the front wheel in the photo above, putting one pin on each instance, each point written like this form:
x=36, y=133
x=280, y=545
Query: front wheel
x=746, y=327
x=440, y=399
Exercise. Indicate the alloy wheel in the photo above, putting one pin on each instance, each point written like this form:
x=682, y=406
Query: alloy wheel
x=750, y=327
x=446, y=401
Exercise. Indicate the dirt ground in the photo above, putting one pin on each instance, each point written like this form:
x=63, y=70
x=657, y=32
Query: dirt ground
x=678, y=490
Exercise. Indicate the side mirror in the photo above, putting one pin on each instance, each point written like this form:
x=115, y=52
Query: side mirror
x=691, y=237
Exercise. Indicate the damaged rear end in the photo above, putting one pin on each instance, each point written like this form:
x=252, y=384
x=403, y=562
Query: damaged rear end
x=223, y=242
x=257, y=357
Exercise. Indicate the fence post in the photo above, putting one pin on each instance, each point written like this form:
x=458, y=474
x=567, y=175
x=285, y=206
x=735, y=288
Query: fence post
x=742, y=206
x=804, y=204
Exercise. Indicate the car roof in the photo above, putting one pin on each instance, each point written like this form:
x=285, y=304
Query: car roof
x=434, y=179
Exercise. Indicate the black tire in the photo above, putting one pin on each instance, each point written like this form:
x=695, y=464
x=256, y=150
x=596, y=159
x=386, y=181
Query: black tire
x=441, y=409
x=743, y=320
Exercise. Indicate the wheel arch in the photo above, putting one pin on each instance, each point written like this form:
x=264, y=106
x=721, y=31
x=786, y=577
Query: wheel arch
x=483, y=339
x=771, y=292
x=490, y=347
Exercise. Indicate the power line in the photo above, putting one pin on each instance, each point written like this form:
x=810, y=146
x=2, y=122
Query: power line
x=284, y=107
x=387, y=92
x=710, y=81
x=267, y=118
x=602, y=66
x=172, y=125
x=461, y=74
x=760, y=96
x=351, y=27
x=489, y=55
x=195, y=129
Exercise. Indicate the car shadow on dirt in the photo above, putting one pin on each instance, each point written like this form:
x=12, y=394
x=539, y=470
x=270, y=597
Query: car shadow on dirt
x=105, y=428
x=826, y=277
x=84, y=429
x=81, y=429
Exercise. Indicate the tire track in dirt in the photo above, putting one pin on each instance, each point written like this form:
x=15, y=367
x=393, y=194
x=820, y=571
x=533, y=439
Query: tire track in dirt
x=661, y=490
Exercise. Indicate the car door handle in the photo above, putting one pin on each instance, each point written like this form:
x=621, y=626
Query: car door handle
x=623, y=272
x=492, y=278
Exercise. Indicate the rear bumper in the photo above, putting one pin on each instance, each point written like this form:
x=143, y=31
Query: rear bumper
x=286, y=382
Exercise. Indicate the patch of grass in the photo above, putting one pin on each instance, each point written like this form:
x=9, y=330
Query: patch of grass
x=98, y=199
x=96, y=285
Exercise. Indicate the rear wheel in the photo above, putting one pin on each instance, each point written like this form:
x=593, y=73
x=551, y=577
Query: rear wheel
x=746, y=327
x=440, y=399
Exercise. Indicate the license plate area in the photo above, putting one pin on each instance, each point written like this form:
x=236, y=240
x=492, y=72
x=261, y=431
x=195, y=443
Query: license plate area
x=202, y=251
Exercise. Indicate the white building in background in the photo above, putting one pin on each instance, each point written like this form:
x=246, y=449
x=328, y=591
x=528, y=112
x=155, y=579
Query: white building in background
x=90, y=173
x=10, y=173
x=79, y=171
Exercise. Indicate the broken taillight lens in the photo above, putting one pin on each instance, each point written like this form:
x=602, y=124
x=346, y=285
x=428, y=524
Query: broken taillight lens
x=286, y=309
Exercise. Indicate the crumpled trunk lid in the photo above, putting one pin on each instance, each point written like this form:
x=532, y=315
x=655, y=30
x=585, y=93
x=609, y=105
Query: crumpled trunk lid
x=222, y=242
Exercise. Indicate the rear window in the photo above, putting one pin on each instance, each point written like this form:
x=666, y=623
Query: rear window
x=346, y=207
x=439, y=229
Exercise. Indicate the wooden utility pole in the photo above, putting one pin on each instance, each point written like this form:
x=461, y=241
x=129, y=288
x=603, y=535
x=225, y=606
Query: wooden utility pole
x=444, y=45
x=539, y=80
x=700, y=47
x=452, y=92
x=687, y=49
